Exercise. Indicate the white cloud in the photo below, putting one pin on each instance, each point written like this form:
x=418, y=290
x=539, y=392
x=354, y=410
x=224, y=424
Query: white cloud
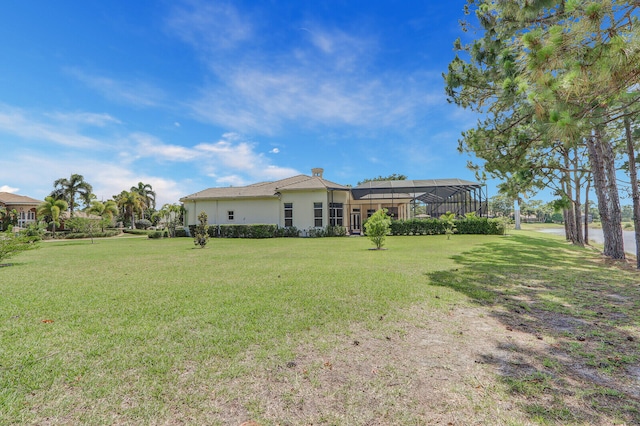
x=274, y=151
x=88, y=118
x=6, y=188
x=263, y=101
x=17, y=122
x=145, y=145
x=210, y=26
x=138, y=93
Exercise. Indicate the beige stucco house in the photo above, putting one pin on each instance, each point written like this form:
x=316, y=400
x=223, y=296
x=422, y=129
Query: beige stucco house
x=25, y=207
x=301, y=201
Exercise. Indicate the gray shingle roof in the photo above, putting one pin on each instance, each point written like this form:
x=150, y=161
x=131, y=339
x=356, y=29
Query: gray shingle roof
x=267, y=189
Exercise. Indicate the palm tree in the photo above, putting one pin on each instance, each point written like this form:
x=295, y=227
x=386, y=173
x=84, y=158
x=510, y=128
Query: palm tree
x=130, y=202
x=70, y=189
x=52, y=208
x=106, y=210
x=170, y=214
x=147, y=194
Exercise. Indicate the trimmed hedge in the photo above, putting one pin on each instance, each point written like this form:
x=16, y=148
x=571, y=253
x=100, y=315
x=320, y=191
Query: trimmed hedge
x=136, y=231
x=76, y=235
x=249, y=231
x=158, y=234
x=480, y=225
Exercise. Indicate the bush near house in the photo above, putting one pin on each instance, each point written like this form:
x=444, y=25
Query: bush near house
x=248, y=231
x=475, y=225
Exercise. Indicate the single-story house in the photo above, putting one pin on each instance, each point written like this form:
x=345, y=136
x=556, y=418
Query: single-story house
x=25, y=207
x=313, y=202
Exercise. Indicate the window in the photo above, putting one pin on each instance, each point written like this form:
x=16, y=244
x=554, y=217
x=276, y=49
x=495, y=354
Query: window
x=336, y=214
x=230, y=214
x=288, y=214
x=370, y=212
x=317, y=214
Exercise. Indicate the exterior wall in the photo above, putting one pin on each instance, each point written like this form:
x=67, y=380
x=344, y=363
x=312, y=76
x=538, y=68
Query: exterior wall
x=303, y=206
x=271, y=210
x=245, y=211
x=26, y=213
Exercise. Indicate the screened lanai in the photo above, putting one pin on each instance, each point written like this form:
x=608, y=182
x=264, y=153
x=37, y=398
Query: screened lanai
x=438, y=196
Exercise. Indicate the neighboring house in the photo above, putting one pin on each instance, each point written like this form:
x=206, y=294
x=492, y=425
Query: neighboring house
x=312, y=201
x=25, y=207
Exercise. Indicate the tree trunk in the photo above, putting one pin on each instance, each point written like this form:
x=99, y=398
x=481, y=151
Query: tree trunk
x=615, y=213
x=635, y=193
x=570, y=217
x=586, y=212
x=599, y=184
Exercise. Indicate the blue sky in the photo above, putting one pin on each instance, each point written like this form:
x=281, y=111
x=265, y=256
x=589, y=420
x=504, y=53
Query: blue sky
x=187, y=95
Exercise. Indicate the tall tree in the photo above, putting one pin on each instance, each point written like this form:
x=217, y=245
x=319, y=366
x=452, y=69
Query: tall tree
x=107, y=211
x=51, y=209
x=147, y=195
x=73, y=190
x=559, y=68
x=131, y=203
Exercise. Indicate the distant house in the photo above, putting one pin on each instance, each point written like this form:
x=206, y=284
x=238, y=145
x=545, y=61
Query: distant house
x=25, y=207
x=314, y=202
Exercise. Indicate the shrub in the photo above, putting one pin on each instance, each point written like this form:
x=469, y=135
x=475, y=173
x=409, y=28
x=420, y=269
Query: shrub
x=143, y=224
x=201, y=234
x=377, y=227
x=35, y=230
x=77, y=235
x=12, y=244
x=158, y=234
x=182, y=232
x=288, y=231
x=136, y=231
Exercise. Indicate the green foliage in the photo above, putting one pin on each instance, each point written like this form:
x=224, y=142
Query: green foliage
x=136, y=231
x=287, y=231
x=50, y=209
x=82, y=235
x=377, y=227
x=73, y=190
x=35, y=230
x=81, y=225
x=158, y=234
x=179, y=232
x=201, y=234
x=12, y=244
x=394, y=176
x=468, y=225
x=327, y=231
x=143, y=223
x=448, y=220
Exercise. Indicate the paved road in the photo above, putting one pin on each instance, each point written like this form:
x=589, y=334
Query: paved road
x=598, y=236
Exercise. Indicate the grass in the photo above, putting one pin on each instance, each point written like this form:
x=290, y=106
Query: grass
x=85, y=326
x=133, y=330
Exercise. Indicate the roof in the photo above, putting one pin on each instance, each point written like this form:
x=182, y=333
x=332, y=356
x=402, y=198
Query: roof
x=8, y=199
x=426, y=190
x=267, y=189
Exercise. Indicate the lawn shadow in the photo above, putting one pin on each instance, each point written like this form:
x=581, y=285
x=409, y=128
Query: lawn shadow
x=583, y=309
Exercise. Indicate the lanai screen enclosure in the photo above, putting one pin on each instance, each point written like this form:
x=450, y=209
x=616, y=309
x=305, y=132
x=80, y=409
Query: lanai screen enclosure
x=438, y=195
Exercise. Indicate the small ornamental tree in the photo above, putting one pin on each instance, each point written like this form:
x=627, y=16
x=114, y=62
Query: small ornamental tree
x=449, y=224
x=201, y=233
x=377, y=227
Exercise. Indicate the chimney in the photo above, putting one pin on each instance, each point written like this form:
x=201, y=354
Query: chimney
x=317, y=172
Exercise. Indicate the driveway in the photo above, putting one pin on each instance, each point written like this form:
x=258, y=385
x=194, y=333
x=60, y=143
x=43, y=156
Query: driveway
x=598, y=236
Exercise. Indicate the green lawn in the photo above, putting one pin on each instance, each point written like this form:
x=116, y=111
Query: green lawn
x=133, y=330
